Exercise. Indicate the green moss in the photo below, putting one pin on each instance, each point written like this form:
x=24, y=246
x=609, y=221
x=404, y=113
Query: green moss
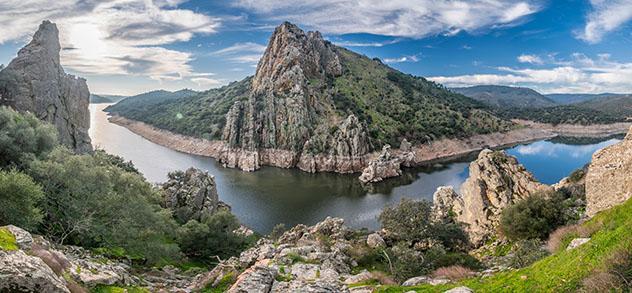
x=7, y=240
x=222, y=285
x=295, y=258
x=116, y=289
x=560, y=272
x=370, y=282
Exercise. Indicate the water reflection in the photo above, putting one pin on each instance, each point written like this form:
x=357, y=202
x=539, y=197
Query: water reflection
x=270, y=196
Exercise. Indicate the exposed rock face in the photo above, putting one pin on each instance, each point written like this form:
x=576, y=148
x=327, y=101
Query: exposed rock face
x=496, y=181
x=36, y=82
x=20, y=272
x=608, y=181
x=298, y=262
x=191, y=194
x=387, y=164
x=283, y=122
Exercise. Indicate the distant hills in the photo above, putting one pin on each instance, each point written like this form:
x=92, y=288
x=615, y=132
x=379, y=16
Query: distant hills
x=144, y=101
x=105, y=99
x=505, y=96
x=566, y=99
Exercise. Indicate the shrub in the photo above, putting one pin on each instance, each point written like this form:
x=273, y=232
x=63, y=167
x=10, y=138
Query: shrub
x=526, y=252
x=561, y=237
x=453, y=273
x=95, y=204
x=533, y=217
x=277, y=231
x=601, y=282
x=408, y=262
x=23, y=138
x=19, y=198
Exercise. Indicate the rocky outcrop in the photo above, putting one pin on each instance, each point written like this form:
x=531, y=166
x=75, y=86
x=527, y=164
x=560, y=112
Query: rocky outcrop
x=388, y=164
x=496, y=181
x=304, y=259
x=36, y=82
x=284, y=122
x=191, y=195
x=608, y=180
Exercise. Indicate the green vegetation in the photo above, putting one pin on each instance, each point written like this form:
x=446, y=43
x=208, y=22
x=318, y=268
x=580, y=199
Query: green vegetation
x=506, y=96
x=565, y=271
x=20, y=197
x=23, y=138
x=533, y=217
x=222, y=285
x=566, y=114
x=147, y=100
x=619, y=106
x=115, y=289
x=7, y=240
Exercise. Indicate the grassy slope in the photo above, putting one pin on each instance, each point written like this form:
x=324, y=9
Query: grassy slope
x=560, y=272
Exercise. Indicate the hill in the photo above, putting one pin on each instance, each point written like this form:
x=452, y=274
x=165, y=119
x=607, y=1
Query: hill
x=144, y=101
x=619, y=106
x=105, y=99
x=310, y=97
x=566, y=99
x=505, y=96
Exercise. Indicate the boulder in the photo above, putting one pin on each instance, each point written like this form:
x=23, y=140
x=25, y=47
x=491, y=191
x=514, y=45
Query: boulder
x=388, y=164
x=496, y=181
x=577, y=242
x=258, y=278
x=374, y=240
x=608, y=180
x=20, y=272
x=461, y=289
x=36, y=82
x=425, y=280
x=22, y=237
x=191, y=195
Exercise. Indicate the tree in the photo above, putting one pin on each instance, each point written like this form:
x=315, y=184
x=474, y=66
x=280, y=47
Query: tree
x=23, y=138
x=19, y=198
x=533, y=217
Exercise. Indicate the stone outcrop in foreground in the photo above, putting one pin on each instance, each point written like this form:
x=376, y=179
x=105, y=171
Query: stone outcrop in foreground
x=191, y=195
x=496, y=181
x=609, y=177
x=36, y=82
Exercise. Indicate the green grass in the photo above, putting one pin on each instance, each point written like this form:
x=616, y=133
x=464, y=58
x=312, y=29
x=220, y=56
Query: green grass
x=7, y=240
x=560, y=272
x=115, y=289
x=295, y=258
x=222, y=286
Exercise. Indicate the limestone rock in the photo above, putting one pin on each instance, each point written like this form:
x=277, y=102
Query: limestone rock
x=36, y=82
x=256, y=279
x=496, y=181
x=386, y=165
x=191, y=194
x=577, y=242
x=444, y=201
x=374, y=240
x=608, y=180
x=461, y=289
x=424, y=280
x=20, y=272
x=22, y=237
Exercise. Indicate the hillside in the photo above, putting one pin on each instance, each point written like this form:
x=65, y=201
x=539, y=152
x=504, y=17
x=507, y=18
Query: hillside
x=566, y=99
x=619, y=106
x=505, y=96
x=141, y=102
x=105, y=99
x=310, y=97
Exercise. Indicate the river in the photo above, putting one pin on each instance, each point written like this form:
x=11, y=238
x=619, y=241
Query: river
x=271, y=196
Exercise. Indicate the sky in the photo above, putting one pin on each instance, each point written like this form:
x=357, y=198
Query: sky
x=132, y=46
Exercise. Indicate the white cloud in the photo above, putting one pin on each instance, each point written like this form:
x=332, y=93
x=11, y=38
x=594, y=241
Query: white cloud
x=411, y=58
x=533, y=59
x=113, y=37
x=367, y=44
x=242, y=52
x=580, y=74
x=404, y=18
x=208, y=82
x=606, y=16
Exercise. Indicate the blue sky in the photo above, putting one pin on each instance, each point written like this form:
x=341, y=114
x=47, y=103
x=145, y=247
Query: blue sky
x=131, y=46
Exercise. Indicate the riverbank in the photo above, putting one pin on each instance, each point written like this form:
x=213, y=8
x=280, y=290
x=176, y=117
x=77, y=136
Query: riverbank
x=437, y=151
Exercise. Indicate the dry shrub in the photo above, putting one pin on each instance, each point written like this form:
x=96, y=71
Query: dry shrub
x=617, y=276
x=453, y=273
x=75, y=288
x=601, y=282
x=50, y=259
x=382, y=278
x=557, y=237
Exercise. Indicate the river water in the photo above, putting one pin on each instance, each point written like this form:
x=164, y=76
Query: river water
x=271, y=196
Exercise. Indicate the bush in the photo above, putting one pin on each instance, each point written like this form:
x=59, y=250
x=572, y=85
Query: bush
x=212, y=237
x=94, y=204
x=408, y=262
x=533, y=217
x=23, y=138
x=19, y=198
x=277, y=231
x=453, y=273
x=526, y=252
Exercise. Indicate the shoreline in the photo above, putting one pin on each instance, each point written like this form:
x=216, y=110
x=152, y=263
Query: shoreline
x=439, y=151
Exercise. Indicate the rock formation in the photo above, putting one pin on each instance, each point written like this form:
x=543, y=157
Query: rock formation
x=608, y=180
x=36, y=82
x=496, y=181
x=387, y=164
x=282, y=122
x=191, y=195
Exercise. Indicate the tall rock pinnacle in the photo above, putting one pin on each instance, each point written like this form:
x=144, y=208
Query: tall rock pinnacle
x=36, y=82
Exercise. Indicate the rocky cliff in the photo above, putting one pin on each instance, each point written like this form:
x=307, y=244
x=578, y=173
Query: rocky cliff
x=36, y=82
x=496, y=181
x=608, y=180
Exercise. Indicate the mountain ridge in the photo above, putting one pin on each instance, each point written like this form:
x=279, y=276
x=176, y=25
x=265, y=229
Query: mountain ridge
x=505, y=96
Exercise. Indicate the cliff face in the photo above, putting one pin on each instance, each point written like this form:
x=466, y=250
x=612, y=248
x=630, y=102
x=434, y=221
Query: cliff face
x=35, y=81
x=496, y=181
x=608, y=180
x=288, y=113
